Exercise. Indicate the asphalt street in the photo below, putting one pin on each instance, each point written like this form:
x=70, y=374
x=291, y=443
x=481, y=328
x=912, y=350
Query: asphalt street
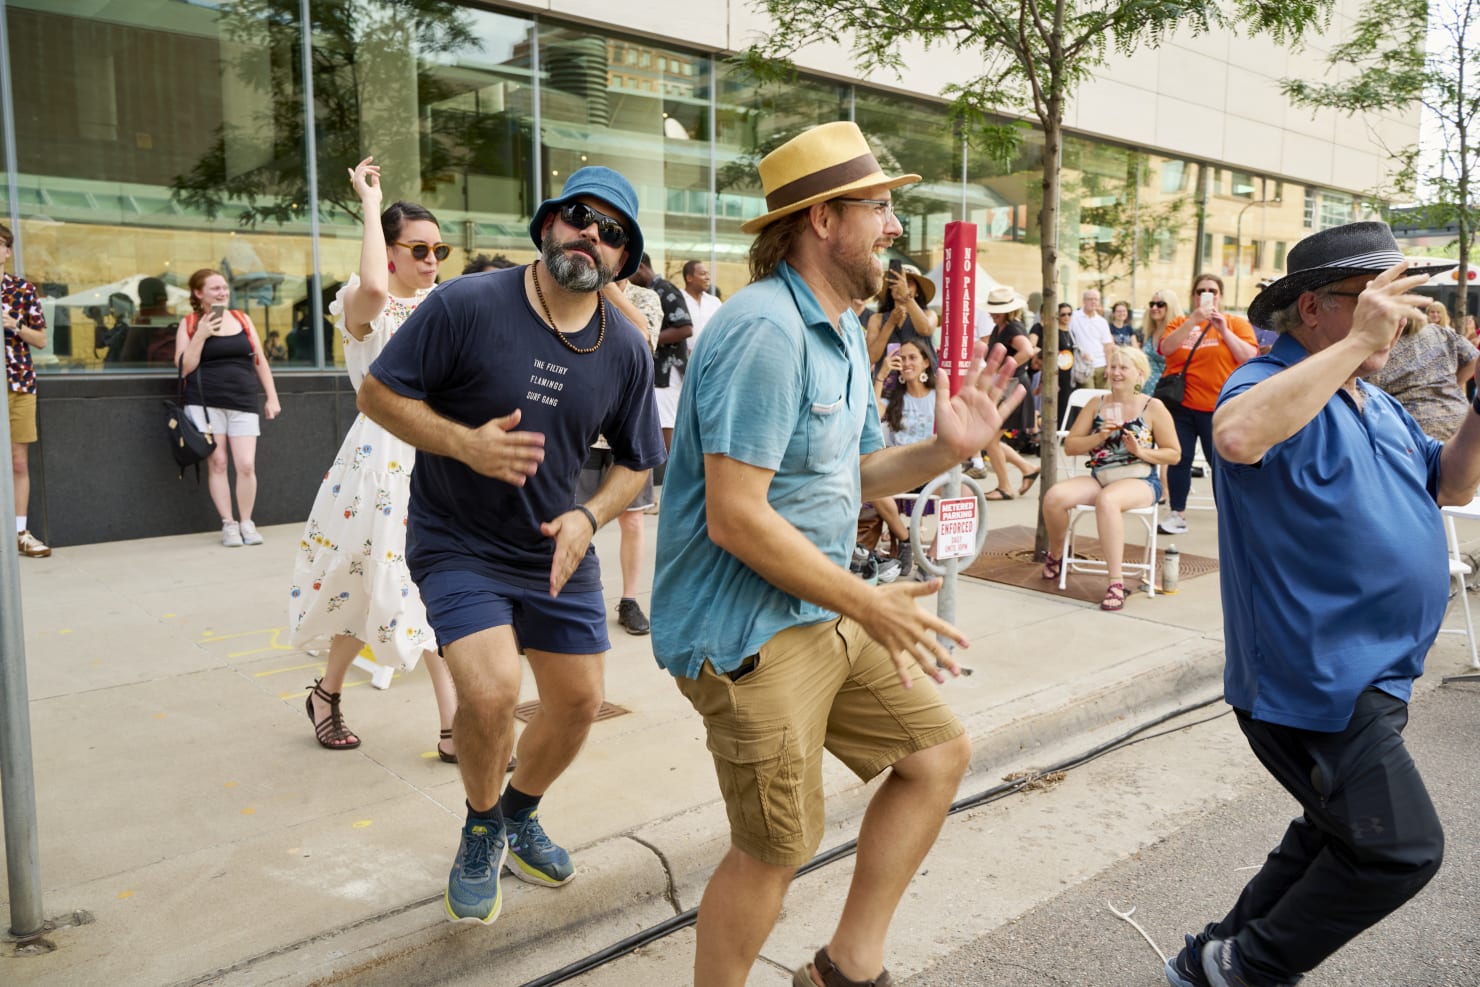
x=1194, y=874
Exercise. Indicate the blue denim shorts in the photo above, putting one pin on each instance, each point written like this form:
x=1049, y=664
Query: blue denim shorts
x=460, y=603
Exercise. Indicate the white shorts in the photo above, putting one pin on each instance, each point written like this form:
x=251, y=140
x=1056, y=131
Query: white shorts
x=667, y=398
x=224, y=421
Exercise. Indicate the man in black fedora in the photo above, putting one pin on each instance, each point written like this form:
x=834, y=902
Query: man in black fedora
x=1334, y=587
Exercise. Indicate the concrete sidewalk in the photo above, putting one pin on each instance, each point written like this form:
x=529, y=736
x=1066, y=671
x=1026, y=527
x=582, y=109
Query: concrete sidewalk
x=185, y=806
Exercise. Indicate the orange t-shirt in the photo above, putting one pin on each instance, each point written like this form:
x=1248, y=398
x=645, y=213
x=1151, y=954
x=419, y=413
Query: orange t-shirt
x=1212, y=364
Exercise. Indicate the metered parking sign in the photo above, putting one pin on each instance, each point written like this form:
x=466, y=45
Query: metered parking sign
x=956, y=535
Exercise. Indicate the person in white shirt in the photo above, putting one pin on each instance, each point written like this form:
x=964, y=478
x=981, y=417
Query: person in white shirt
x=1092, y=336
x=696, y=294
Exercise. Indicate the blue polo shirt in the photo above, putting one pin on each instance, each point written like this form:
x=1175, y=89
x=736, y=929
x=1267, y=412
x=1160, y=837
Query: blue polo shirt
x=773, y=384
x=1333, y=553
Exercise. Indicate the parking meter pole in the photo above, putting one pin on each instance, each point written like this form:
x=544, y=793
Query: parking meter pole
x=17, y=777
x=958, y=324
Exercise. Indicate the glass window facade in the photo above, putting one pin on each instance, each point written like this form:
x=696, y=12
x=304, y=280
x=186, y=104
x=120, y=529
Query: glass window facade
x=154, y=138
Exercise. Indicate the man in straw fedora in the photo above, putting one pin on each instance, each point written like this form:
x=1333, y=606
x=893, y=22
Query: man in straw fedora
x=781, y=651
x=1334, y=587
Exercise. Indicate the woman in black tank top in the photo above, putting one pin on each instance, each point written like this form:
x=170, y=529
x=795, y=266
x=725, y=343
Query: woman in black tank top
x=220, y=355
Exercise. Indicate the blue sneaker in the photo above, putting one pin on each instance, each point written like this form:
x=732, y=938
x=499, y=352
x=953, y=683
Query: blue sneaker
x=1223, y=968
x=533, y=856
x=473, y=892
x=1185, y=969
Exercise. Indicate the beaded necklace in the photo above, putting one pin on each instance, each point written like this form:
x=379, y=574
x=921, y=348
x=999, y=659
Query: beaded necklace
x=600, y=333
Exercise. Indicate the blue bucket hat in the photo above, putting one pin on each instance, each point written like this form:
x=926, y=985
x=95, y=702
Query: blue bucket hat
x=612, y=189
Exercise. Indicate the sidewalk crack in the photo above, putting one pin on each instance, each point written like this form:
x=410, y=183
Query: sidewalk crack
x=671, y=891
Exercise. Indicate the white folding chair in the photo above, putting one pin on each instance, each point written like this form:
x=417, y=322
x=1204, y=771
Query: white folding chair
x=1077, y=399
x=1458, y=570
x=1147, y=566
x=1195, y=500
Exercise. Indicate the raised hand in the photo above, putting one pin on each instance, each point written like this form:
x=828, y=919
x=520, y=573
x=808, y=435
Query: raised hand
x=1383, y=306
x=495, y=449
x=971, y=419
x=365, y=178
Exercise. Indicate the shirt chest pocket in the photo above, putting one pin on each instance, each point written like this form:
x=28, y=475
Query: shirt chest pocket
x=828, y=432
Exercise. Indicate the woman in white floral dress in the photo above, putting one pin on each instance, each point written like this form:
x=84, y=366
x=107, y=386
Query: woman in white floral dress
x=350, y=580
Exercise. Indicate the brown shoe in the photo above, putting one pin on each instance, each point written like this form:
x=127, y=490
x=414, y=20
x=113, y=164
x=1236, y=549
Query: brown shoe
x=30, y=546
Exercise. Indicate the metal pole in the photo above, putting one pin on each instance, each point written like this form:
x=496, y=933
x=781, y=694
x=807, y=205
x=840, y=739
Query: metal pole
x=311, y=150
x=537, y=123
x=713, y=165
x=7, y=122
x=17, y=774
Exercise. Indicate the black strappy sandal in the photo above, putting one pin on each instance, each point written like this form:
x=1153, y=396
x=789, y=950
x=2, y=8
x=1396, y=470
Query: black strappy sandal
x=331, y=731
x=445, y=757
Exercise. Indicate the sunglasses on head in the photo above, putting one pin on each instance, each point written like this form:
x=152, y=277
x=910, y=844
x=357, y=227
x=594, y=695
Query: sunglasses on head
x=1156, y=304
x=579, y=215
x=420, y=250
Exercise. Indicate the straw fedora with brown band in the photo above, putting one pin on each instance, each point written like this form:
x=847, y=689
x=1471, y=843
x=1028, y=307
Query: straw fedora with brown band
x=823, y=163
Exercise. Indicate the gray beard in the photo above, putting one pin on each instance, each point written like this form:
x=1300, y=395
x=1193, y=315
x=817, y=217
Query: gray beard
x=571, y=274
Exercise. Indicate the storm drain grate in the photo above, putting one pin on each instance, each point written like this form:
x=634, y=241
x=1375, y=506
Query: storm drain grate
x=524, y=712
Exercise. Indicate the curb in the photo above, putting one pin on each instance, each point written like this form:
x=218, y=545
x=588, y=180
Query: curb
x=636, y=883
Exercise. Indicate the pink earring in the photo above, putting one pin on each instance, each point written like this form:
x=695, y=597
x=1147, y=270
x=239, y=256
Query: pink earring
x=391, y=267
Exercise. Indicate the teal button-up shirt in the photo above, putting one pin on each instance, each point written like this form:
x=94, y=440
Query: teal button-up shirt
x=773, y=384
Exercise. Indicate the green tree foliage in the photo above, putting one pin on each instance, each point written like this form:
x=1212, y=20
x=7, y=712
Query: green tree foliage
x=1033, y=54
x=1392, y=59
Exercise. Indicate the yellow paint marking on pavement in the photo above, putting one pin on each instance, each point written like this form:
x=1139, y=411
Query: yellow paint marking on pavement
x=288, y=668
x=427, y=755
x=231, y=784
x=65, y=630
x=160, y=716
x=363, y=824
x=249, y=811
x=169, y=615
x=125, y=894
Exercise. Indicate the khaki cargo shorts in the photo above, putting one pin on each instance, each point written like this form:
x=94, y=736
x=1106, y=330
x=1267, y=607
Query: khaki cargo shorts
x=819, y=687
x=22, y=417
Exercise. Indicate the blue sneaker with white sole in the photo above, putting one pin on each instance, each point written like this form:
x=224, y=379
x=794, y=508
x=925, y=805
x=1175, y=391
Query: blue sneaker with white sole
x=473, y=892
x=1185, y=969
x=533, y=856
x=1223, y=967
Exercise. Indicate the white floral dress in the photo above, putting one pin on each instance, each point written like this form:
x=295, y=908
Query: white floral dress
x=350, y=575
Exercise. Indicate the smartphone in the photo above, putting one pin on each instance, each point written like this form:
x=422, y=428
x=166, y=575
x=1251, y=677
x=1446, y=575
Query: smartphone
x=218, y=311
x=891, y=349
x=896, y=266
x=1206, y=299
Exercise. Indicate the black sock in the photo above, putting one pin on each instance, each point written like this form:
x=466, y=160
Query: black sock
x=494, y=815
x=515, y=802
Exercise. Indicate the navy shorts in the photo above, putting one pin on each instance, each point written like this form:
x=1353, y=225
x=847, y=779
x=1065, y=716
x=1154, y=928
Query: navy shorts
x=461, y=603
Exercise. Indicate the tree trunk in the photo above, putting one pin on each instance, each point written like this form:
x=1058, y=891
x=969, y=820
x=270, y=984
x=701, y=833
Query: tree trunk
x=1048, y=235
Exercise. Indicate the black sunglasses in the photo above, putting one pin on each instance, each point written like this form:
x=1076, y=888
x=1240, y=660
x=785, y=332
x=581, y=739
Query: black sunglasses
x=1156, y=304
x=579, y=215
x=420, y=250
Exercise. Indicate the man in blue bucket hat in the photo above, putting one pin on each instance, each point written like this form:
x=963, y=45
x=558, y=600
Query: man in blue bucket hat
x=502, y=380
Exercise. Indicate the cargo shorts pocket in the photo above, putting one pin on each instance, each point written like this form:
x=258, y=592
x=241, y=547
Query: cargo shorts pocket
x=760, y=779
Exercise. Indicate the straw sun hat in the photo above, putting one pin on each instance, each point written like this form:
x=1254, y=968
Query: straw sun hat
x=823, y=163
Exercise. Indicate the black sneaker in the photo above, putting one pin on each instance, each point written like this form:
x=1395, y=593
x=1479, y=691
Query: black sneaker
x=631, y=617
x=906, y=558
x=1222, y=967
x=1185, y=969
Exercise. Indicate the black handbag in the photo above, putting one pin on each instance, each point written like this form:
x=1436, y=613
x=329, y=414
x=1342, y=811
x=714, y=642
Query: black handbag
x=188, y=444
x=1173, y=387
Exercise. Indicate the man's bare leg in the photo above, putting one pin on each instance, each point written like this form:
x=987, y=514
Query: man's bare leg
x=571, y=689
x=901, y=824
x=736, y=914
x=485, y=670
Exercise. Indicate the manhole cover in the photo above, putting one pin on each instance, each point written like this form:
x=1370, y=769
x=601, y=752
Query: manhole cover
x=524, y=712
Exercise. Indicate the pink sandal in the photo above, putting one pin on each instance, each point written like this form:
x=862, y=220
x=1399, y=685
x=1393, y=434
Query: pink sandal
x=1052, y=565
x=1114, y=597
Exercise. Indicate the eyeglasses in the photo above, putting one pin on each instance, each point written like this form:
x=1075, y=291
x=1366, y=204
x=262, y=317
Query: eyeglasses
x=608, y=230
x=883, y=208
x=420, y=249
x=1156, y=304
x=1065, y=315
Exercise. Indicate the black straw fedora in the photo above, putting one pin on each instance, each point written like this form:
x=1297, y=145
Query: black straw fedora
x=1328, y=257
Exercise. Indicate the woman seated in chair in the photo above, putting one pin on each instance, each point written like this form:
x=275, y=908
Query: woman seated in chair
x=1126, y=435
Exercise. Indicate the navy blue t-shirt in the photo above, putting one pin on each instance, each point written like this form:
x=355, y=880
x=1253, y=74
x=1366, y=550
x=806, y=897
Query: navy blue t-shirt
x=475, y=350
